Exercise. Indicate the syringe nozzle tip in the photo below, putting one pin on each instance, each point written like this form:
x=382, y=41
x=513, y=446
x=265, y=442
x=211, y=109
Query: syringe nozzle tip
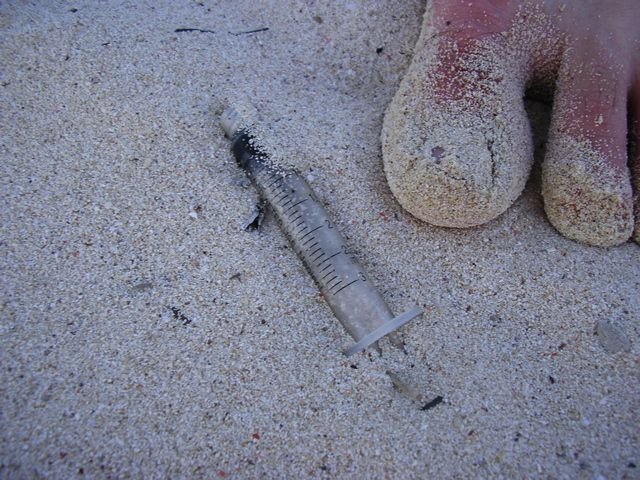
x=239, y=115
x=230, y=121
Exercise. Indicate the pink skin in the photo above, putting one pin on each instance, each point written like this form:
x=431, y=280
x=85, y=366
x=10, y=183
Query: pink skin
x=594, y=51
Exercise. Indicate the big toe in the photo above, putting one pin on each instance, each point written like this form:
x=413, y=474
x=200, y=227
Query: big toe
x=586, y=181
x=456, y=141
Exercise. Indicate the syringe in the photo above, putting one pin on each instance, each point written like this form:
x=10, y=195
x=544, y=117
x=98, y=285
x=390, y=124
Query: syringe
x=316, y=240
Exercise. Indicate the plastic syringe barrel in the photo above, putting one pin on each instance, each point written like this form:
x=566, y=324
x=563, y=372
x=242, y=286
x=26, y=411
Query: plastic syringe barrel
x=344, y=283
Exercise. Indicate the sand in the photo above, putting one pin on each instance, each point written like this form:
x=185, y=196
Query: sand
x=144, y=335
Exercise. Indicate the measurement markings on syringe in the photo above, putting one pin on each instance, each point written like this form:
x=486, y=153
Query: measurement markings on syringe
x=309, y=233
x=302, y=234
x=294, y=206
x=324, y=272
x=325, y=275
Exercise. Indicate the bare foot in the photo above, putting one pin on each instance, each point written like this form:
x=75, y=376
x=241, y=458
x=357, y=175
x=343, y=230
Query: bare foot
x=456, y=140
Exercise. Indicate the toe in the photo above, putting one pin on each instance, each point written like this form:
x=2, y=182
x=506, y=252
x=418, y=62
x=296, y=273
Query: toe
x=456, y=140
x=586, y=183
x=634, y=153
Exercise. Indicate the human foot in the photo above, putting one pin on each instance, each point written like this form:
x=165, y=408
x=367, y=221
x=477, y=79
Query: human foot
x=456, y=140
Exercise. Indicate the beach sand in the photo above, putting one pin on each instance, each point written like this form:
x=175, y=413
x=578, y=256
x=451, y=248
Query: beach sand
x=144, y=335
